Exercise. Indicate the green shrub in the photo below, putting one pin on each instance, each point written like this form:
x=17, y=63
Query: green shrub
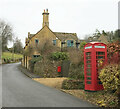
x=110, y=76
x=59, y=56
x=82, y=44
x=7, y=60
x=72, y=84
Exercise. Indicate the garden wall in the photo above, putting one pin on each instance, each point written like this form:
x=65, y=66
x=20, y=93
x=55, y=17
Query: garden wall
x=47, y=68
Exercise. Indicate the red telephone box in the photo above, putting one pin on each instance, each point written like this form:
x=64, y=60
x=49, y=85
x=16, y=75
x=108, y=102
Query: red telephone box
x=95, y=55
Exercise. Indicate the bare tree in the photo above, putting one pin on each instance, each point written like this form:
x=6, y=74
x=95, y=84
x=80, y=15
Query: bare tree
x=5, y=34
x=18, y=47
x=47, y=47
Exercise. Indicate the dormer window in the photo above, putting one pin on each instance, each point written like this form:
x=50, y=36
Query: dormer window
x=70, y=43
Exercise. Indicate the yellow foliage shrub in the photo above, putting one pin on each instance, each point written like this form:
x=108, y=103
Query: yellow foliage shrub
x=110, y=77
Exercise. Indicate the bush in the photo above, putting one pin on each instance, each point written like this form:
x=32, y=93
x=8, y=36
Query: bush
x=59, y=56
x=110, y=77
x=72, y=84
x=75, y=55
x=76, y=71
x=113, y=51
x=33, y=61
x=46, y=68
x=82, y=44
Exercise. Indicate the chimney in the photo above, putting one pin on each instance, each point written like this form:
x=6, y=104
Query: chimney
x=28, y=34
x=45, y=18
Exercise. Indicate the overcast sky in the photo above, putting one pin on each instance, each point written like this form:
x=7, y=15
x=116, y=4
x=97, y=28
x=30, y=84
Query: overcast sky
x=75, y=16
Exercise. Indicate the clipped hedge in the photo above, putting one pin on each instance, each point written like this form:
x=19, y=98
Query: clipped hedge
x=72, y=84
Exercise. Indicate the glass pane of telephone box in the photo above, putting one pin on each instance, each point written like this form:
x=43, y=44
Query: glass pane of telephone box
x=88, y=57
x=88, y=82
x=100, y=57
x=88, y=78
x=88, y=61
x=88, y=74
x=88, y=70
x=88, y=65
x=100, y=53
x=88, y=53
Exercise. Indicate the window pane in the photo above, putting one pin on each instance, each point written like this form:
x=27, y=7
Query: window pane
x=88, y=57
x=88, y=78
x=70, y=43
x=88, y=74
x=88, y=82
x=54, y=42
x=88, y=70
x=100, y=53
x=88, y=65
x=36, y=41
x=88, y=53
x=36, y=56
x=100, y=57
x=88, y=61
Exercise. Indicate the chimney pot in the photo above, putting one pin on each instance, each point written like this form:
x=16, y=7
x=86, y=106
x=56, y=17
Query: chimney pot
x=46, y=10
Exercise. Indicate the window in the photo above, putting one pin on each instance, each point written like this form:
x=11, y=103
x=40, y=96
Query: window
x=88, y=53
x=88, y=82
x=88, y=78
x=88, y=70
x=35, y=56
x=77, y=45
x=100, y=53
x=88, y=57
x=70, y=43
x=62, y=44
x=36, y=41
x=88, y=65
x=88, y=74
x=54, y=42
x=88, y=61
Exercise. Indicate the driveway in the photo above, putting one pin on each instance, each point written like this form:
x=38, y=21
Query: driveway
x=18, y=90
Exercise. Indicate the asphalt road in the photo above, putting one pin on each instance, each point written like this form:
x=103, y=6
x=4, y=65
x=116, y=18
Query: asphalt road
x=18, y=90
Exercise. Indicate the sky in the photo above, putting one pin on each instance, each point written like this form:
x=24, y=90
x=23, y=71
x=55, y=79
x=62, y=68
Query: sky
x=71, y=16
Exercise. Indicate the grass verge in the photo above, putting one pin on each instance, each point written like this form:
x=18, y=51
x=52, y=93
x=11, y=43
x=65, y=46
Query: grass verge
x=8, y=55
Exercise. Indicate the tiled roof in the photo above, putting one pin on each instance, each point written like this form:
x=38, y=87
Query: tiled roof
x=64, y=36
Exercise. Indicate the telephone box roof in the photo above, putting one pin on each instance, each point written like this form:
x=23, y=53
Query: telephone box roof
x=95, y=43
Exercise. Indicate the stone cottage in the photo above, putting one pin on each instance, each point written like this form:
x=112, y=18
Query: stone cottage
x=46, y=35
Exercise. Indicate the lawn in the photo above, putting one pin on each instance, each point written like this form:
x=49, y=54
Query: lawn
x=8, y=55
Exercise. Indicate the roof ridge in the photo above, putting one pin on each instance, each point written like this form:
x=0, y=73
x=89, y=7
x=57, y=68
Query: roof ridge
x=65, y=32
